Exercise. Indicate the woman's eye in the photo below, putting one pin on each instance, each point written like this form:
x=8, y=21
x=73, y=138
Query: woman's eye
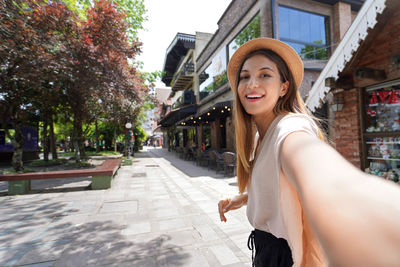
x=265, y=75
x=243, y=77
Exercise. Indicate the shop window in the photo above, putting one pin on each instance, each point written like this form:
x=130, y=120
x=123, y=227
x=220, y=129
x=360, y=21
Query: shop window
x=249, y=32
x=382, y=131
x=214, y=76
x=306, y=32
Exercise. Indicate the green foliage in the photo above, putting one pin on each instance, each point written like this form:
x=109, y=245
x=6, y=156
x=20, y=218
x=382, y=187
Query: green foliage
x=140, y=134
x=135, y=11
x=82, y=164
x=43, y=163
x=251, y=31
x=314, y=52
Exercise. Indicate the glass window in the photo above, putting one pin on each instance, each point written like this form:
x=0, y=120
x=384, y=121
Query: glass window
x=251, y=31
x=304, y=31
x=214, y=75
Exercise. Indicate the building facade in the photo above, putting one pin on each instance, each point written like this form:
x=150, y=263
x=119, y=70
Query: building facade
x=312, y=27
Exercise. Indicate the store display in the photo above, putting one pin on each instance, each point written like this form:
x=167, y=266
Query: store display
x=382, y=127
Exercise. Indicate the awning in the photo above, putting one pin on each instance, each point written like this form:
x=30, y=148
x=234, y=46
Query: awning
x=219, y=110
x=177, y=115
x=357, y=32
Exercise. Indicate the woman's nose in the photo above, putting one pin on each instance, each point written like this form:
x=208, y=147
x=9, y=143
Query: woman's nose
x=253, y=82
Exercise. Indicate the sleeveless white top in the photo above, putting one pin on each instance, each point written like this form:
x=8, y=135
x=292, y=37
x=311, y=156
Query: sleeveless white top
x=273, y=204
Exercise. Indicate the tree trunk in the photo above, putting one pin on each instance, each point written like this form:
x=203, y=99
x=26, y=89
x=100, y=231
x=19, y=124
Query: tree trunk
x=18, y=144
x=115, y=138
x=78, y=140
x=97, y=137
x=76, y=149
x=82, y=151
x=45, y=140
x=53, y=147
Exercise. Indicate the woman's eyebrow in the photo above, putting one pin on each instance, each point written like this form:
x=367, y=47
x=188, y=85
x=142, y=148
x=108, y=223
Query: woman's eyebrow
x=266, y=68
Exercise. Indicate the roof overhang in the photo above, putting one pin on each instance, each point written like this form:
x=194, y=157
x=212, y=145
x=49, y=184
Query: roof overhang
x=176, y=51
x=358, y=31
x=218, y=110
x=177, y=115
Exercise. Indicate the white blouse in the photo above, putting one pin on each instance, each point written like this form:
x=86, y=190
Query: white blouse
x=273, y=204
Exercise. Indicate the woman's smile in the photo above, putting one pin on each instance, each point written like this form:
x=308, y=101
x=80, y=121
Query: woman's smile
x=254, y=97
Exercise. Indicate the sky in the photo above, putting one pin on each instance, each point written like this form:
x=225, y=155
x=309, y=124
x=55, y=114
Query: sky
x=168, y=17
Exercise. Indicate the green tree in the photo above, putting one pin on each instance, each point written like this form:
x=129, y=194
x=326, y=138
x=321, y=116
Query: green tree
x=251, y=31
x=314, y=52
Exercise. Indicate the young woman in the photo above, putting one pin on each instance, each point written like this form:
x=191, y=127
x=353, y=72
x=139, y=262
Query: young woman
x=308, y=205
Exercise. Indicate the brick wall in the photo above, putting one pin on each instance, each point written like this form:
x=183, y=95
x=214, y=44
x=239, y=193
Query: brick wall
x=347, y=128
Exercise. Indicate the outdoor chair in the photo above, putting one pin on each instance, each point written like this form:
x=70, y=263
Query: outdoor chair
x=179, y=151
x=229, y=163
x=201, y=158
x=216, y=160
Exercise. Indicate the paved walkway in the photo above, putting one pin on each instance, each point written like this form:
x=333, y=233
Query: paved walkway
x=161, y=211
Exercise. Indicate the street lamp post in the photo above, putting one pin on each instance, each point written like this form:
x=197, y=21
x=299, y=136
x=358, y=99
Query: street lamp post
x=128, y=139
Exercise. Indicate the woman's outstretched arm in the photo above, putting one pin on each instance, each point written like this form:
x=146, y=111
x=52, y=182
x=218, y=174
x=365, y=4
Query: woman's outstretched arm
x=356, y=216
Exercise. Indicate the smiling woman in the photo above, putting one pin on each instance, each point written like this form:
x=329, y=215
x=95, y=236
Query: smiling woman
x=307, y=204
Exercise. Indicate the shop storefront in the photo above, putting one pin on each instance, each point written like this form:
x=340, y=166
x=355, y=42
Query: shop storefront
x=361, y=83
x=381, y=135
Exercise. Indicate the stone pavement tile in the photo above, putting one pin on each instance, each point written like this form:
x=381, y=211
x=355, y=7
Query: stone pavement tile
x=137, y=228
x=224, y=254
x=200, y=219
x=9, y=255
x=62, y=228
x=182, y=238
x=188, y=257
x=17, y=237
x=131, y=218
x=43, y=252
x=174, y=223
x=130, y=206
x=163, y=203
x=84, y=207
x=206, y=233
x=42, y=264
x=139, y=262
x=240, y=240
x=166, y=213
x=94, y=253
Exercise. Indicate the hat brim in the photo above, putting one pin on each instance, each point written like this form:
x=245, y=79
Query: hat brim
x=286, y=52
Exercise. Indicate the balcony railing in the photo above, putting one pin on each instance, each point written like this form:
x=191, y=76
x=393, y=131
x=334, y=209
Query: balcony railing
x=183, y=78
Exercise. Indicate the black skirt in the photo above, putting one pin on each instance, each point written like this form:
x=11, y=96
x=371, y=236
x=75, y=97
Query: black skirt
x=270, y=250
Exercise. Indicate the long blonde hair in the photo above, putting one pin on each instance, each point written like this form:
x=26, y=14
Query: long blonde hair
x=244, y=125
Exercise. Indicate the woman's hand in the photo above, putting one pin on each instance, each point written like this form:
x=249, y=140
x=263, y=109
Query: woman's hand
x=231, y=204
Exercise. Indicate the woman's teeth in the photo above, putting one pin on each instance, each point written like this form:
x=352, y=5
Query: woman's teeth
x=254, y=96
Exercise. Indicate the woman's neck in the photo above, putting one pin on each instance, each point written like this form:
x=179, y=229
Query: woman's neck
x=263, y=123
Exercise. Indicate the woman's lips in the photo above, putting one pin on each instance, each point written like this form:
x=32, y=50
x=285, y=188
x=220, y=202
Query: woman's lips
x=254, y=98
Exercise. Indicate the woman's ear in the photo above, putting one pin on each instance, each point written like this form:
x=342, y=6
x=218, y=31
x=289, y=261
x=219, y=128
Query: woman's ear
x=284, y=88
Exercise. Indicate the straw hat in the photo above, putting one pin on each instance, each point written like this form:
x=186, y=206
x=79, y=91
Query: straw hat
x=286, y=52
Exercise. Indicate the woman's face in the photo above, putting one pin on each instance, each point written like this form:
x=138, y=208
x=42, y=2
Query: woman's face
x=260, y=86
